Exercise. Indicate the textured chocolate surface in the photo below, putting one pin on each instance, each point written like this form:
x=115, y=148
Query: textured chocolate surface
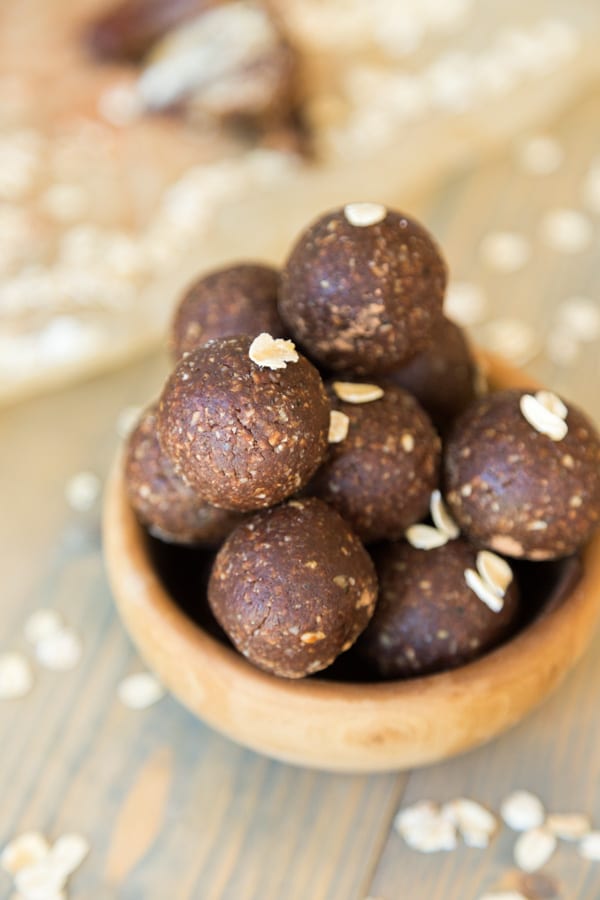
x=443, y=376
x=243, y=436
x=363, y=299
x=168, y=507
x=517, y=491
x=427, y=619
x=293, y=588
x=239, y=299
x=380, y=477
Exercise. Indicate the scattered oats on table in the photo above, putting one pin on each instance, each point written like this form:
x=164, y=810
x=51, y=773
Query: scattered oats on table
x=16, y=676
x=41, y=623
x=514, y=339
x=566, y=230
x=60, y=650
x=539, y=154
x=589, y=846
x=522, y=811
x=533, y=849
x=465, y=303
x=505, y=251
x=140, y=690
x=82, y=491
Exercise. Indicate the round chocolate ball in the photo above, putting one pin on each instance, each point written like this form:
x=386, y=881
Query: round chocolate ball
x=363, y=289
x=293, y=588
x=443, y=377
x=162, y=501
x=243, y=434
x=515, y=489
x=239, y=299
x=381, y=475
x=427, y=618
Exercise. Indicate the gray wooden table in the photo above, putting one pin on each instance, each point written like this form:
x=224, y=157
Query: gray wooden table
x=173, y=810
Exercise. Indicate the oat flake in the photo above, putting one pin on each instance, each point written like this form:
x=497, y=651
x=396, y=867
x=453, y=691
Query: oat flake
x=483, y=591
x=418, y=814
x=568, y=826
x=424, y=828
x=272, y=353
x=25, y=850
x=552, y=403
x=580, y=318
x=338, y=426
x=65, y=202
x=438, y=835
x=512, y=338
x=540, y=418
x=120, y=104
x=425, y=537
x=475, y=823
x=59, y=651
x=16, y=677
x=589, y=846
x=533, y=849
x=311, y=637
x=140, y=690
x=522, y=811
x=505, y=251
x=442, y=519
x=41, y=881
x=68, y=853
x=408, y=443
x=539, y=155
x=361, y=215
x=82, y=491
x=41, y=623
x=465, y=303
x=566, y=230
x=495, y=571
x=351, y=392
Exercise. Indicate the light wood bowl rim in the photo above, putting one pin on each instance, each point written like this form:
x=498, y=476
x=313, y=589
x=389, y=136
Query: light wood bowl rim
x=337, y=725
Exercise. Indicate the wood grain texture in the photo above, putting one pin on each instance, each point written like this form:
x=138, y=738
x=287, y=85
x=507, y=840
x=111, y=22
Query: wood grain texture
x=171, y=808
x=225, y=822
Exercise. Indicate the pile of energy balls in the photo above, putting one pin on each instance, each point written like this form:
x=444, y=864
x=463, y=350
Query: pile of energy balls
x=326, y=431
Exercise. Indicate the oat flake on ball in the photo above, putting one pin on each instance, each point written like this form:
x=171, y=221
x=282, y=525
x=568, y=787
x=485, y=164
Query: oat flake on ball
x=363, y=289
x=244, y=435
x=380, y=477
x=427, y=618
x=516, y=489
x=293, y=588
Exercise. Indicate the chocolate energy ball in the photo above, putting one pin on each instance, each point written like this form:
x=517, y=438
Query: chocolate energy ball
x=244, y=432
x=240, y=299
x=381, y=475
x=517, y=490
x=443, y=377
x=427, y=618
x=162, y=501
x=293, y=588
x=363, y=289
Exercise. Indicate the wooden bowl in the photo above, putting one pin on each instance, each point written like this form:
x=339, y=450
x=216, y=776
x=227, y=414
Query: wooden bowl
x=341, y=726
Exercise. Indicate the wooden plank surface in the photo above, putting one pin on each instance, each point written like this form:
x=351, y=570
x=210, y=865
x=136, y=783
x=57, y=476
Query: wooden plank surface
x=174, y=811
